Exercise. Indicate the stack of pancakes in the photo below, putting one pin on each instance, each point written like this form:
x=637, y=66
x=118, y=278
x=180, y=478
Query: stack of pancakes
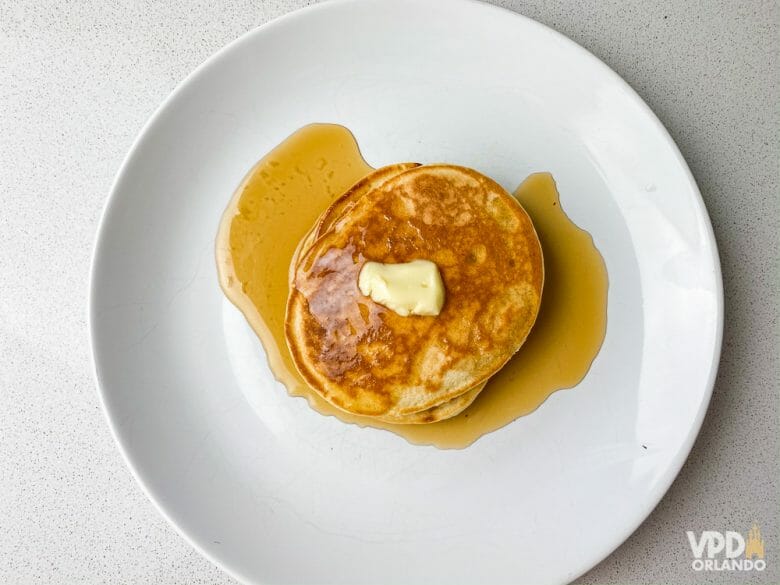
x=366, y=359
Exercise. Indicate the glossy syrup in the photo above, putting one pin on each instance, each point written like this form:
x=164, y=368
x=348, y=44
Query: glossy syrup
x=283, y=195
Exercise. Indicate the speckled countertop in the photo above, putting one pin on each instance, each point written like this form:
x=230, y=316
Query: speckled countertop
x=78, y=80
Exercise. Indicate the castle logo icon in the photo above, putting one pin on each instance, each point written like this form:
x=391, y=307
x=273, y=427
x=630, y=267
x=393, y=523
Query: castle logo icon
x=754, y=546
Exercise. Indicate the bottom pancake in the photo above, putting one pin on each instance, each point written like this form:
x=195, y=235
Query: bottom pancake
x=436, y=413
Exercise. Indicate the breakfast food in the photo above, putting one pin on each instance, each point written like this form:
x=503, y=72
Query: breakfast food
x=305, y=183
x=367, y=358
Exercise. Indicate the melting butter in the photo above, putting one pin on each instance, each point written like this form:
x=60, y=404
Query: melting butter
x=410, y=288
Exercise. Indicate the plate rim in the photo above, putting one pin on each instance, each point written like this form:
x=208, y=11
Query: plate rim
x=676, y=463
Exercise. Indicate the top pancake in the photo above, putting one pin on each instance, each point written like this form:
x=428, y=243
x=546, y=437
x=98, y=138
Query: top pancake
x=366, y=359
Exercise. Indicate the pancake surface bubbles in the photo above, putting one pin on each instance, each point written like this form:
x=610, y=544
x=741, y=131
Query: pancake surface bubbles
x=344, y=203
x=365, y=358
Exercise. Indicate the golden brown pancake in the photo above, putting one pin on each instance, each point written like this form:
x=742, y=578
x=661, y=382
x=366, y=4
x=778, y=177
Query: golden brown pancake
x=436, y=413
x=368, y=360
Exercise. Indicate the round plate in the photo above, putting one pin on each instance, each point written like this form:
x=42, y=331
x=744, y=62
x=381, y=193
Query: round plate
x=274, y=492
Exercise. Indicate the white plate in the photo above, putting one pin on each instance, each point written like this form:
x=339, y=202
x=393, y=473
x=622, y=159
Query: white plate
x=276, y=493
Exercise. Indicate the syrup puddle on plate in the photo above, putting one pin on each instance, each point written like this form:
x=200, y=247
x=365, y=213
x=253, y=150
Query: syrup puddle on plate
x=286, y=191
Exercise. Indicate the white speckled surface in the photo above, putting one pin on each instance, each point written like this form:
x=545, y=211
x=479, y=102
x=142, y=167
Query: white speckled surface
x=76, y=85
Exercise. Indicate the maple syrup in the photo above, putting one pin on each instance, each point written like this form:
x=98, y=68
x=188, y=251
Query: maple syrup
x=286, y=191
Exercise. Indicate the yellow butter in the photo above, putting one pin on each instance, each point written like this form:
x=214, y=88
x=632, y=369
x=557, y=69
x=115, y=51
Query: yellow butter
x=411, y=288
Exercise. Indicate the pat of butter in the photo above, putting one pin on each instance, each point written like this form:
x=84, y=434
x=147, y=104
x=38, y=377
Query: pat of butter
x=412, y=288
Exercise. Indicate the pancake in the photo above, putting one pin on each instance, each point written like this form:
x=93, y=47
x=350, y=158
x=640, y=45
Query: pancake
x=436, y=413
x=366, y=359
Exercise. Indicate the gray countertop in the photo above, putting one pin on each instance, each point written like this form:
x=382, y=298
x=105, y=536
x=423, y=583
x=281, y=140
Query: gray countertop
x=77, y=83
